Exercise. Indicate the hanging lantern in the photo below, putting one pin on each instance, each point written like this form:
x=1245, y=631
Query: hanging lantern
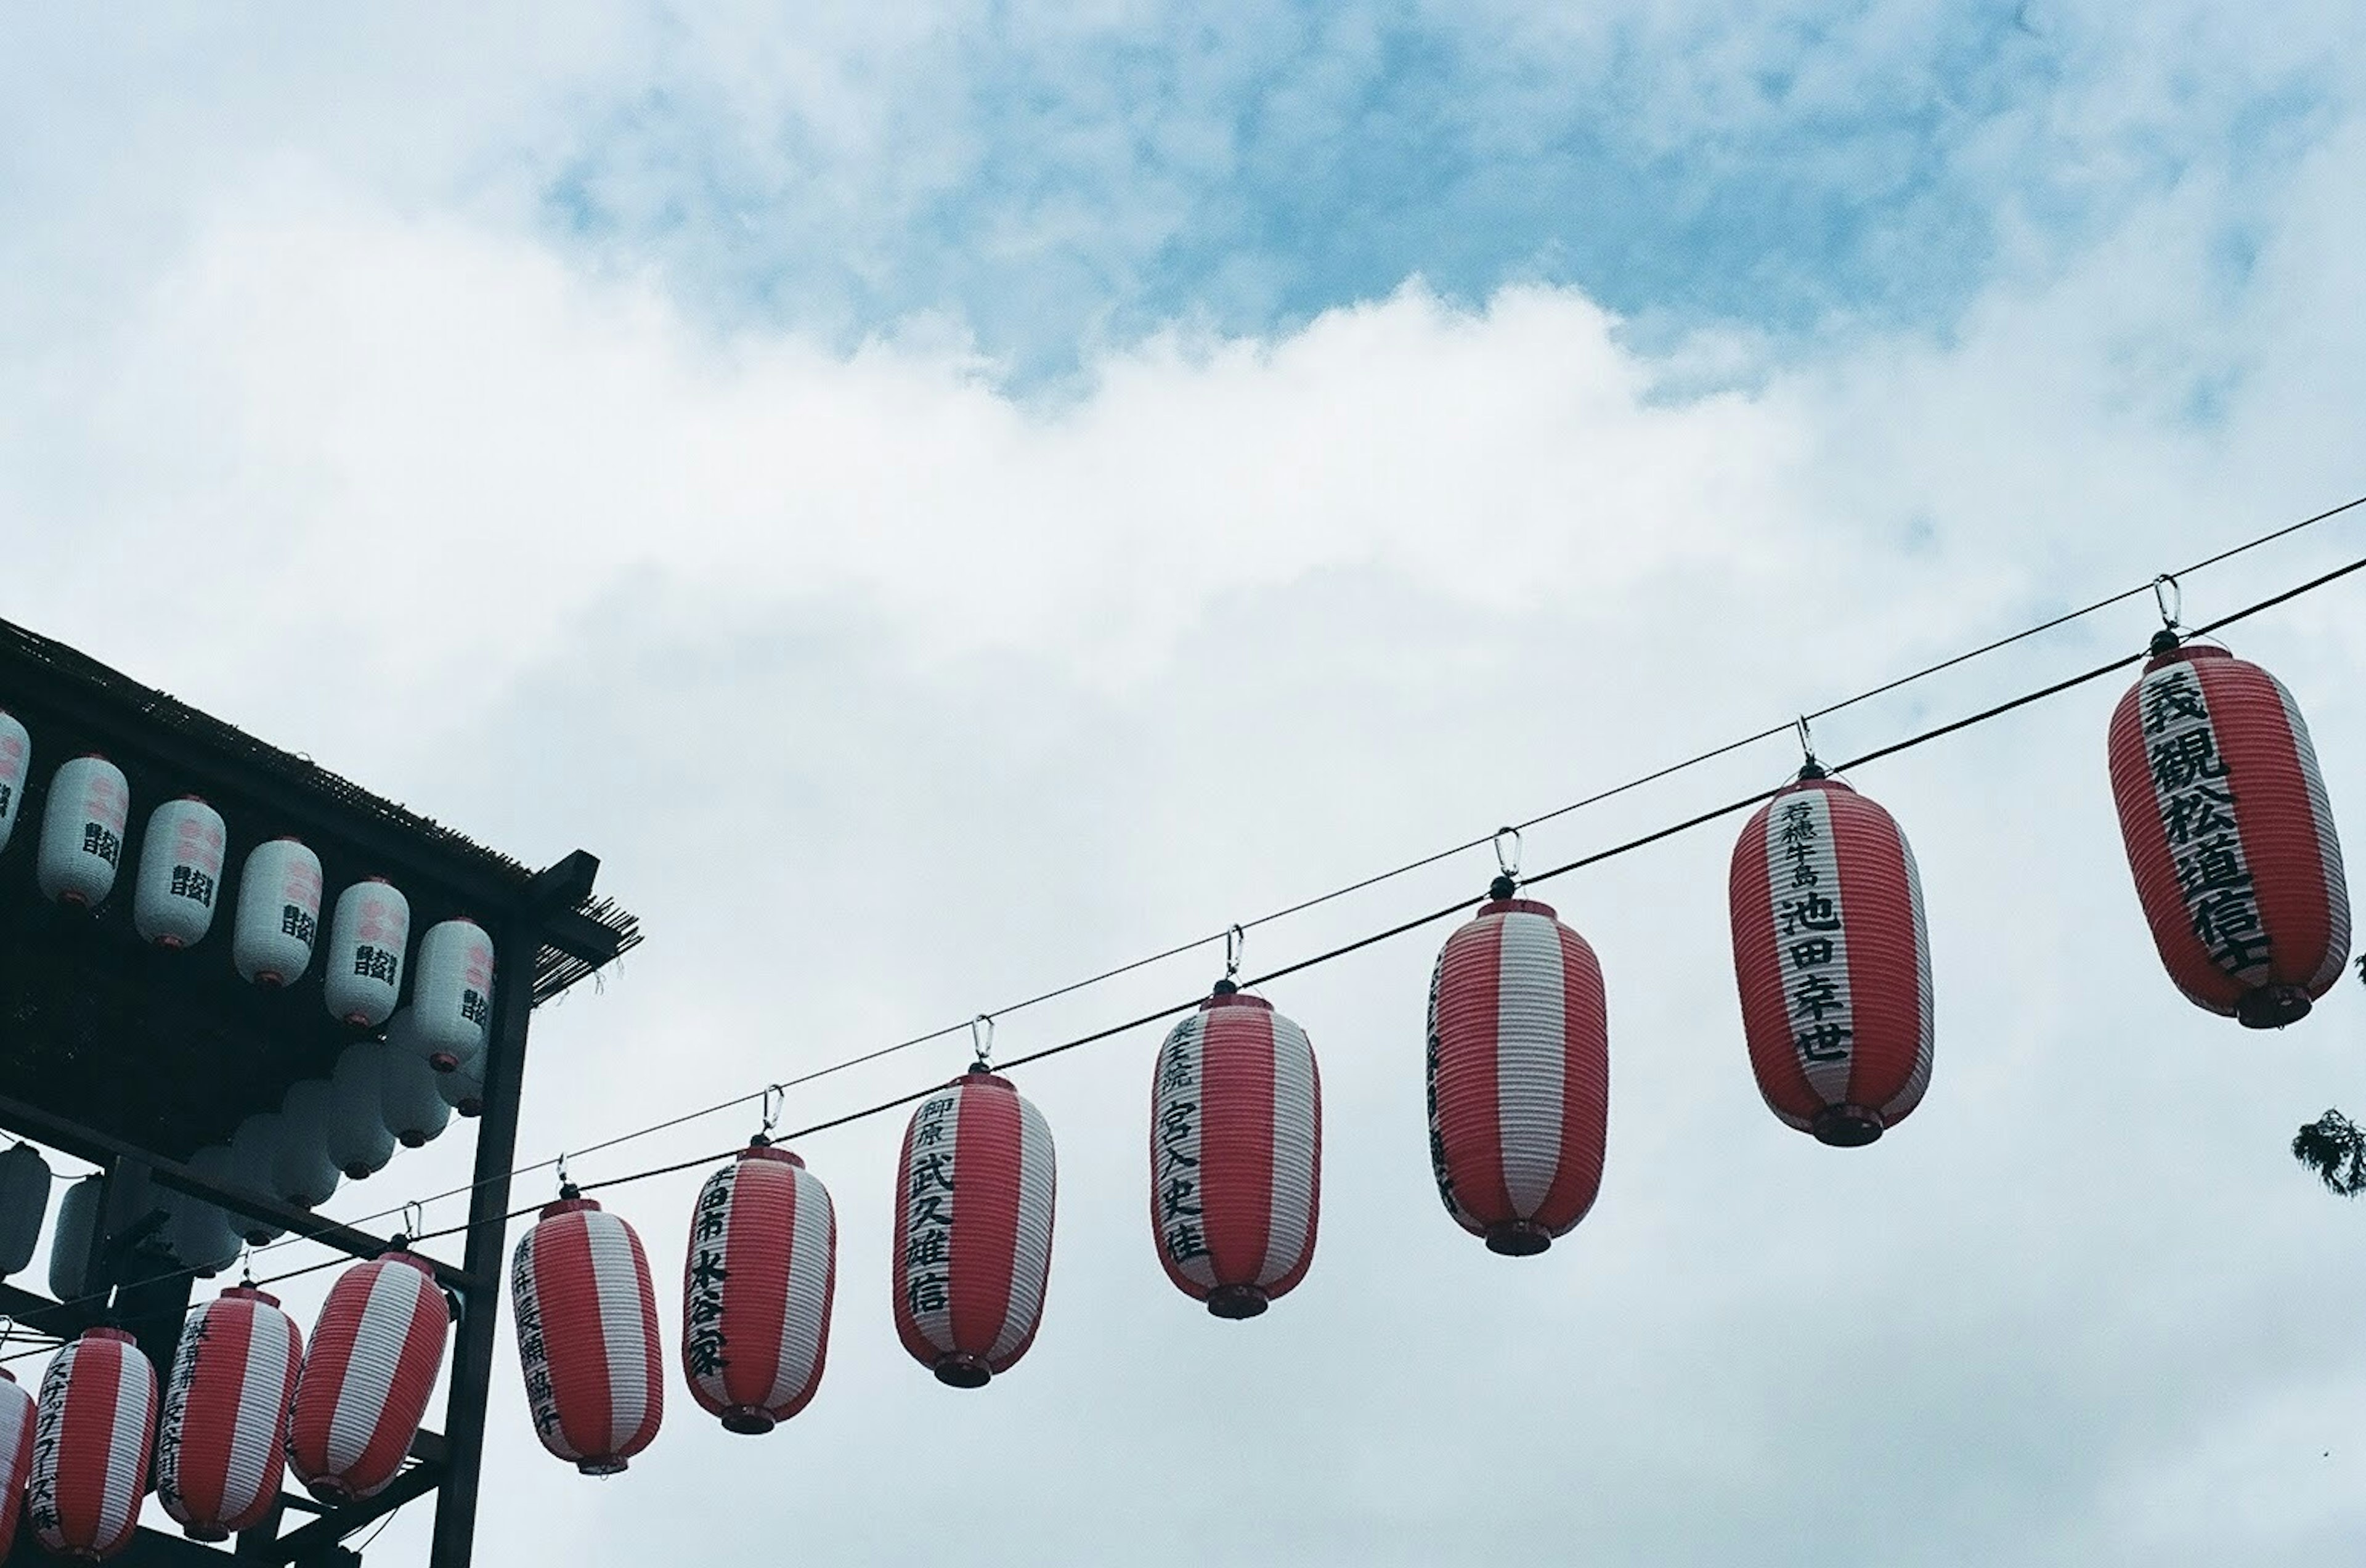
x=15, y=766
x=359, y=1139
x=367, y=938
x=463, y=1088
x=757, y=1285
x=414, y=1107
x=301, y=1171
x=1519, y=1072
x=1833, y=959
x=2229, y=835
x=254, y=1148
x=71, y=1242
x=17, y=1418
x=180, y=869
x=24, y=1204
x=1235, y=1153
x=451, y=994
x=375, y=1350
x=81, y=832
x=587, y=1330
x=218, y=1452
x=969, y=1276
x=278, y=913
x=92, y=1438
x=203, y=1236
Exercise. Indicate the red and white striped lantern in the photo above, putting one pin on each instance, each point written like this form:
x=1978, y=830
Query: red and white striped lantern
x=975, y=1195
x=587, y=1329
x=1833, y=959
x=1235, y=1153
x=375, y=1350
x=92, y=1438
x=757, y=1286
x=218, y=1452
x=17, y=1417
x=2230, y=835
x=1519, y=1074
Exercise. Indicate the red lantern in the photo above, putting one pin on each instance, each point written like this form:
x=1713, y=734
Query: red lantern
x=2230, y=834
x=970, y=1266
x=375, y=1350
x=756, y=1290
x=587, y=1328
x=1519, y=1074
x=16, y=1420
x=218, y=1453
x=1235, y=1153
x=1833, y=959
x=91, y=1445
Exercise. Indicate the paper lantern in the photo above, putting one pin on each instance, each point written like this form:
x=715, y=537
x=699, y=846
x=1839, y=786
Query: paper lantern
x=81, y=832
x=1519, y=1074
x=375, y=1350
x=452, y=991
x=217, y=1451
x=180, y=870
x=203, y=1236
x=363, y=967
x=17, y=1420
x=414, y=1107
x=301, y=1171
x=463, y=1088
x=254, y=1148
x=359, y=1141
x=278, y=913
x=757, y=1281
x=969, y=1273
x=1833, y=960
x=24, y=1204
x=15, y=766
x=2229, y=835
x=70, y=1242
x=587, y=1330
x=92, y=1438
x=1235, y=1153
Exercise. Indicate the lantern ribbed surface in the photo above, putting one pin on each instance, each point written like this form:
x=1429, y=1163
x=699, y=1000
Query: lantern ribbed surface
x=16, y=765
x=1235, y=1154
x=375, y=1350
x=757, y=1282
x=361, y=973
x=278, y=914
x=1833, y=959
x=81, y=832
x=974, y=1194
x=1519, y=1076
x=217, y=1451
x=17, y=1418
x=360, y=1140
x=92, y=1438
x=451, y=991
x=2230, y=836
x=180, y=873
x=588, y=1338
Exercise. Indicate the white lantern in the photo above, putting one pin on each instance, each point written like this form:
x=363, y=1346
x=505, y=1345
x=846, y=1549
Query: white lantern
x=24, y=1204
x=204, y=1237
x=254, y=1148
x=279, y=912
x=70, y=1243
x=359, y=1140
x=180, y=870
x=452, y=991
x=81, y=832
x=463, y=1088
x=15, y=766
x=415, y=1110
x=301, y=1171
x=368, y=939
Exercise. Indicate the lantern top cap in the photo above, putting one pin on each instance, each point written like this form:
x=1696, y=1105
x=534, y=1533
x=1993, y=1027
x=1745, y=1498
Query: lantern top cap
x=1818, y=780
x=118, y=1336
x=980, y=1076
x=2182, y=652
x=572, y=1205
x=1514, y=906
x=1226, y=996
x=249, y=1293
x=413, y=1259
x=771, y=1152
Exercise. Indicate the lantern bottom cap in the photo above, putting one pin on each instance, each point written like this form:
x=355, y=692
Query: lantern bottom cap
x=610, y=1465
x=443, y=1062
x=1847, y=1126
x=328, y=1489
x=748, y=1420
x=470, y=1108
x=1237, y=1300
x=171, y=944
x=205, y=1529
x=270, y=979
x=1518, y=1238
x=360, y=1172
x=961, y=1371
x=360, y=1020
x=2272, y=1006
x=411, y=1140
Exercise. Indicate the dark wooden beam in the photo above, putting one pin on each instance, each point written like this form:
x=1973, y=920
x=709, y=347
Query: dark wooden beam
x=333, y=1526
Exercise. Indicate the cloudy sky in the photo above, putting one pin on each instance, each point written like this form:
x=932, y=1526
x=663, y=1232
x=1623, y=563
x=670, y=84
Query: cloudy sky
x=946, y=498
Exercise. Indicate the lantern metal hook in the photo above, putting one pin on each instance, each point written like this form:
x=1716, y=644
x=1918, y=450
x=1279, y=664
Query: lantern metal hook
x=1237, y=941
x=980, y=1041
x=775, y=1096
x=566, y=1188
x=1508, y=863
x=1808, y=767
x=7, y=1328
x=2172, y=604
x=246, y=1266
x=414, y=1218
